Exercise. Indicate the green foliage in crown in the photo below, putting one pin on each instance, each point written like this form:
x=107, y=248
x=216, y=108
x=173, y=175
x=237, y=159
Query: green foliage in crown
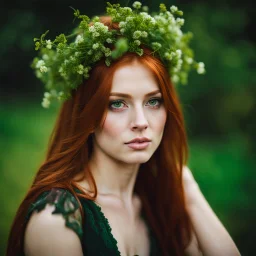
x=62, y=65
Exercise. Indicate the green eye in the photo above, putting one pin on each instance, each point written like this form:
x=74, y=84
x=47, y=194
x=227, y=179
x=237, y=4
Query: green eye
x=115, y=104
x=157, y=101
x=154, y=100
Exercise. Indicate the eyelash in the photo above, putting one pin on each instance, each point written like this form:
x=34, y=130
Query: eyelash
x=160, y=100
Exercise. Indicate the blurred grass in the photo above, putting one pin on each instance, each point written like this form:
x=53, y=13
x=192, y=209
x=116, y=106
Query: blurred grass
x=24, y=133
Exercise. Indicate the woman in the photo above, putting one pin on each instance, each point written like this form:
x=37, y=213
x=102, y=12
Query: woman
x=115, y=180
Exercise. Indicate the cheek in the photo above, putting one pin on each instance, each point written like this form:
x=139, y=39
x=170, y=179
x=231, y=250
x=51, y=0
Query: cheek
x=159, y=122
x=113, y=126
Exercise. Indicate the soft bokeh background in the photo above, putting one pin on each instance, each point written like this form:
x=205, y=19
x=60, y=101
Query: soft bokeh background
x=219, y=107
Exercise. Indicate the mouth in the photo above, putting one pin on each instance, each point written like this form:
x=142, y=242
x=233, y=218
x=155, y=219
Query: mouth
x=139, y=140
x=138, y=145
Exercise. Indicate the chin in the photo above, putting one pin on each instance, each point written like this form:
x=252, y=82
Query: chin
x=137, y=159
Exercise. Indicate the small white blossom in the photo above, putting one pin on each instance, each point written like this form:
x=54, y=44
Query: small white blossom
x=45, y=103
x=49, y=44
x=80, y=69
x=180, y=21
x=128, y=9
x=189, y=60
x=96, y=34
x=129, y=19
x=200, y=68
x=43, y=69
x=144, y=34
x=178, y=53
x=92, y=29
x=175, y=78
x=145, y=8
x=137, y=34
x=122, y=30
x=136, y=5
x=60, y=95
x=174, y=9
x=47, y=95
x=156, y=45
x=168, y=56
x=45, y=57
x=79, y=39
x=40, y=63
x=109, y=40
x=137, y=42
x=122, y=24
x=95, y=46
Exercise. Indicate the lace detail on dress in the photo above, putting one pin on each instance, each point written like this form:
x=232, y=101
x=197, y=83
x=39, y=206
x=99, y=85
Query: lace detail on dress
x=105, y=229
x=65, y=203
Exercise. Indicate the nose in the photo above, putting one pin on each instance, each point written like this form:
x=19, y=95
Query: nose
x=139, y=120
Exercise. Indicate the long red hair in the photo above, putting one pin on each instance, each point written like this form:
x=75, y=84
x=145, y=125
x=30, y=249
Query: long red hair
x=159, y=181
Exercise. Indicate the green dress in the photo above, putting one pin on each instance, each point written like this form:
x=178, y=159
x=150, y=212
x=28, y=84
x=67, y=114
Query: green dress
x=95, y=235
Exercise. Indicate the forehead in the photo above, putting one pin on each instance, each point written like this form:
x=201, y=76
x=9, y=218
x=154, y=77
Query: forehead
x=134, y=79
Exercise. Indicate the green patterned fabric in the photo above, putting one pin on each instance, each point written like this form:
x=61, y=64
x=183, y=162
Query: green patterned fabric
x=95, y=235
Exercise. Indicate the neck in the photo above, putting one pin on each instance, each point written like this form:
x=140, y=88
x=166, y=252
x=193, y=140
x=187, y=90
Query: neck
x=114, y=179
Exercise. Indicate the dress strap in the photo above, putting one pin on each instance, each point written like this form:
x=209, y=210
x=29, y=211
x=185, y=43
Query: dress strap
x=65, y=203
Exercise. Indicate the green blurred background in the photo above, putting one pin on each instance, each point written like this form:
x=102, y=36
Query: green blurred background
x=219, y=107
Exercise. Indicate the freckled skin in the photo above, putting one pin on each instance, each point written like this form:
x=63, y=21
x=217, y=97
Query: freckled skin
x=136, y=117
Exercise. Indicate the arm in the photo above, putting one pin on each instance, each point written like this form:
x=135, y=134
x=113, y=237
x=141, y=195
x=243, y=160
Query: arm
x=46, y=234
x=212, y=237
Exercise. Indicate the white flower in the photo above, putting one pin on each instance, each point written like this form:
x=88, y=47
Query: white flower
x=47, y=95
x=48, y=44
x=43, y=69
x=92, y=29
x=95, y=46
x=107, y=52
x=128, y=9
x=80, y=69
x=122, y=30
x=145, y=8
x=45, y=103
x=40, y=63
x=175, y=78
x=122, y=24
x=168, y=56
x=136, y=5
x=200, y=68
x=109, y=40
x=129, y=19
x=137, y=42
x=174, y=9
x=178, y=53
x=137, y=34
x=180, y=21
x=189, y=60
x=60, y=95
x=156, y=45
x=96, y=34
x=45, y=57
x=79, y=39
x=144, y=34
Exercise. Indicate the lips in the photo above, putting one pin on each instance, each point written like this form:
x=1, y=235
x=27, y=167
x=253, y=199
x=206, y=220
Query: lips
x=139, y=140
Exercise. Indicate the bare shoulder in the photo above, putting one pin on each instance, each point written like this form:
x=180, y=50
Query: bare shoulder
x=47, y=234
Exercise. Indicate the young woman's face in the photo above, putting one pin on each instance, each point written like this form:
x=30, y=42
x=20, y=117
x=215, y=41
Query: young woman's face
x=133, y=116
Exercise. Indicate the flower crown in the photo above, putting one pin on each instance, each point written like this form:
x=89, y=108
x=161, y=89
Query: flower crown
x=62, y=66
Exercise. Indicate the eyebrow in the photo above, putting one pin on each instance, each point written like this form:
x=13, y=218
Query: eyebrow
x=129, y=96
